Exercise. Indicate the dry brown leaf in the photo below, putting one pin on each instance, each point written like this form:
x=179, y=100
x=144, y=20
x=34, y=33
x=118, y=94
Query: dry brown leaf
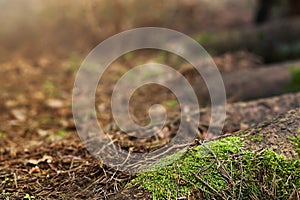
x=19, y=114
x=54, y=103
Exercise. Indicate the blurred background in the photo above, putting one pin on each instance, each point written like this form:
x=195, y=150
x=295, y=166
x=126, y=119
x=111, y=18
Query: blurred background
x=44, y=42
x=60, y=28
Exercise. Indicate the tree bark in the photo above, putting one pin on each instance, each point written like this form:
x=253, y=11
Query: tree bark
x=244, y=115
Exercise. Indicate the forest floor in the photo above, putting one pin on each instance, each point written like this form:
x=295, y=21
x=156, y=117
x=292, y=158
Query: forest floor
x=41, y=154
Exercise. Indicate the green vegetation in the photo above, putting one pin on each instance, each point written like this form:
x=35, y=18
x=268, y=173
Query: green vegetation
x=294, y=84
x=28, y=197
x=205, y=38
x=223, y=169
x=259, y=137
x=6, y=181
x=2, y=135
x=296, y=141
x=61, y=133
x=171, y=103
x=74, y=62
x=49, y=89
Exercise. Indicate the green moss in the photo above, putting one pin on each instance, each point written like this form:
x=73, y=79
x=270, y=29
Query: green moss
x=294, y=84
x=222, y=169
x=296, y=141
x=260, y=137
x=257, y=137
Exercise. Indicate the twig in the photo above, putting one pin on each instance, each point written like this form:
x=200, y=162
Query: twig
x=15, y=179
x=209, y=186
x=219, y=137
x=241, y=183
x=215, y=156
x=274, y=183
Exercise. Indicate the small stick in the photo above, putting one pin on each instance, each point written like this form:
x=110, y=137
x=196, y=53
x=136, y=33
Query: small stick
x=15, y=179
x=209, y=186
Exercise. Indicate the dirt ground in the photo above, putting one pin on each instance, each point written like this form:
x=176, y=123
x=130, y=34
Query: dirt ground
x=41, y=155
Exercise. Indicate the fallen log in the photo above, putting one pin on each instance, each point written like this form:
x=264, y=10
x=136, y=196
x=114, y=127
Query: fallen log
x=239, y=116
x=247, y=84
x=259, y=163
x=244, y=115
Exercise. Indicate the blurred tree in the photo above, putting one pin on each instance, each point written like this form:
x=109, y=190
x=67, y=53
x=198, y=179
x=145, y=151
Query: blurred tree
x=267, y=8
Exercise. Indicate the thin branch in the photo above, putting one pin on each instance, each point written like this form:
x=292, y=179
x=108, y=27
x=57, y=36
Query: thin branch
x=209, y=186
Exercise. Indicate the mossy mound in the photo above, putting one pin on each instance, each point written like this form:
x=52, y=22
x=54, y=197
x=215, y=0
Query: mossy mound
x=223, y=169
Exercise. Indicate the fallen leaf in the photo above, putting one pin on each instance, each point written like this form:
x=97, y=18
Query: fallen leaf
x=38, y=95
x=54, y=103
x=45, y=158
x=42, y=133
x=35, y=169
x=11, y=103
x=19, y=114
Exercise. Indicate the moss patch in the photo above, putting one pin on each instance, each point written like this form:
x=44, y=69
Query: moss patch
x=223, y=169
x=296, y=141
x=294, y=84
